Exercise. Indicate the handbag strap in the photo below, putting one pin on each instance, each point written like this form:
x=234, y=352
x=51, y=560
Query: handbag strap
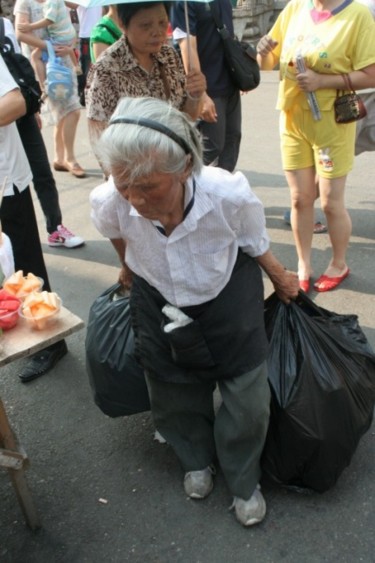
x=220, y=26
x=348, y=85
x=51, y=52
x=348, y=82
x=2, y=33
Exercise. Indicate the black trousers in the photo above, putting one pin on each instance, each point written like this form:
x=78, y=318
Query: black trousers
x=221, y=140
x=85, y=62
x=19, y=223
x=43, y=180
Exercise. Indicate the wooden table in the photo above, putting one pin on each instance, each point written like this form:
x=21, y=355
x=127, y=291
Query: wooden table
x=20, y=342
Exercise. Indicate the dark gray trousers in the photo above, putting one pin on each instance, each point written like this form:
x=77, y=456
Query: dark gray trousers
x=184, y=415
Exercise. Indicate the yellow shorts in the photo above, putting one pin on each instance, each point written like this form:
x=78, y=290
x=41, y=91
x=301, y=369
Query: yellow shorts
x=325, y=144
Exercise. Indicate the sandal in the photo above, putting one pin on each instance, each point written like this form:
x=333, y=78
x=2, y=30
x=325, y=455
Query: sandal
x=74, y=169
x=319, y=228
x=326, y=283
x=60, y=167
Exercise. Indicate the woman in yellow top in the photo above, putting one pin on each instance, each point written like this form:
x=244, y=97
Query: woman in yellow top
x=334, y=38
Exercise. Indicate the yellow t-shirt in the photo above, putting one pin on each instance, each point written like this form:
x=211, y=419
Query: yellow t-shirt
x=342, y=43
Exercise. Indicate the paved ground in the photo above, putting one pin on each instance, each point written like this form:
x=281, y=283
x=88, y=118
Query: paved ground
x=78, y=455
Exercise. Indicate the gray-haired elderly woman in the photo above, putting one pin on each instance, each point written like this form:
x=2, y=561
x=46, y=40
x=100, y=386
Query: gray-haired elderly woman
x=191, y=239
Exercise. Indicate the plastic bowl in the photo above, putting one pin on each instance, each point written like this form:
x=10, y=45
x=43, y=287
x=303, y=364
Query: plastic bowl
x=23, y=295
x=43, y=321
x=9, y=320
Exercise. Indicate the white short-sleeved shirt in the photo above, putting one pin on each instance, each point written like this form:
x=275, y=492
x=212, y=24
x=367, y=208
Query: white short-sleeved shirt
x=194, y=263
x=34, y=11
x=88, y=18
x=10, y=33
x=13, y=161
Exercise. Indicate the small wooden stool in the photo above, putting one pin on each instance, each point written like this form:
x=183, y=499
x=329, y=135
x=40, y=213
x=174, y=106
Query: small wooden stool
x=15, y=460
x=17, y=343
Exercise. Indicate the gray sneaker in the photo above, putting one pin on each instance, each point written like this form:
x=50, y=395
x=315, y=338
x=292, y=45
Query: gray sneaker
x=252, y=511
x=199, y=484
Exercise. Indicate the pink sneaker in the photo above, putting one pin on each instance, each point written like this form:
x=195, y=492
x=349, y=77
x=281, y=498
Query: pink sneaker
x=63, y=237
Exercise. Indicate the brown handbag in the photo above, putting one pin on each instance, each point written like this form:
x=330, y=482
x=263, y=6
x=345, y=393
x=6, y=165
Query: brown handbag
x=349, y=107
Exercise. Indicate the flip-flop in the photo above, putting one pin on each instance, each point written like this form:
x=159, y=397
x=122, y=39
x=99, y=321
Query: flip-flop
x=60, y=167
x=326, y=283
x=76, y=170
x=319, y=228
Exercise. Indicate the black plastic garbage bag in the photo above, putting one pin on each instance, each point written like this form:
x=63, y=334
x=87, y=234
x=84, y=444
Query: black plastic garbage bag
x=322, y=379
x=117, y=380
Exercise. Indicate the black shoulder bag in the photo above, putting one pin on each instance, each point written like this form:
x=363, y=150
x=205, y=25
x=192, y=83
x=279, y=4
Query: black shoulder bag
x=22, y=72
x=240, y=57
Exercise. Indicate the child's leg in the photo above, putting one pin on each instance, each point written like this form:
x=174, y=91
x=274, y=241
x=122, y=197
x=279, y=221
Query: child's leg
x=39, y=66
x=77, y=66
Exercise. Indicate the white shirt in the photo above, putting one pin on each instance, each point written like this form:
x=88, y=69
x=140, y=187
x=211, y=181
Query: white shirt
x=88, y=17
x=13, y=161
x=194, y=263
x=10, y=33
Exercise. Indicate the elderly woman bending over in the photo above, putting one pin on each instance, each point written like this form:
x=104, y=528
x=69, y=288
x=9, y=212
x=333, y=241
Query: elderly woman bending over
x=191, y=239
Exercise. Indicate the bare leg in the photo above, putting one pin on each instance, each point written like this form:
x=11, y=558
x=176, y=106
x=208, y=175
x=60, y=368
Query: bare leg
x=39, y=66
x=303, y=194
x=59, y=142
x=332, y=195
x=65, y=132
x=70, y=123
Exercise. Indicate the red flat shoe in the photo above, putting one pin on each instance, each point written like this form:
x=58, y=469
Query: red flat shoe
x=304, y=285
x=325, y=283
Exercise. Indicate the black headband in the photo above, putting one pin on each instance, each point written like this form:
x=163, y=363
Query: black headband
x=157, y=127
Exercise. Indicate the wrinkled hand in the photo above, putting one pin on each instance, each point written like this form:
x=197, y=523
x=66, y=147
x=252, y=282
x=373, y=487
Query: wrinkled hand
x=24, y=27
x=286, y=286
x=208, y=112
x=265, y=45
x=126, y=277
x=195, y=84
x=308, y=81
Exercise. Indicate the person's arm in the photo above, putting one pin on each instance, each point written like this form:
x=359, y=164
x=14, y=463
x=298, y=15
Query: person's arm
x=126, y=275
x=40, y=24
x=96, y=128
x=12, y=107
x=98, y=48
x=265, y=57
x=28, y=38
x=310, y=80
x=285, y=282
x=189, y=55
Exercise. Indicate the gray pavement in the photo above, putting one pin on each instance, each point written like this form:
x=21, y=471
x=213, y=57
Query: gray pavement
x=78, y=455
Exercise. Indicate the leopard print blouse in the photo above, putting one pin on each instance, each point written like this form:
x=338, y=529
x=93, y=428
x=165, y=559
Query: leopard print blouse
x=117, y=74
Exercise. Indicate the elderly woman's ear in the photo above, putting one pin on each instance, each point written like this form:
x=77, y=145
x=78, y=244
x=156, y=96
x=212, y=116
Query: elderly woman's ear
x=188, y=167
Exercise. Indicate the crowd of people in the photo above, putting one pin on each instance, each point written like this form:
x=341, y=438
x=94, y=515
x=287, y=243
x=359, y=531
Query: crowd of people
x=165, y=124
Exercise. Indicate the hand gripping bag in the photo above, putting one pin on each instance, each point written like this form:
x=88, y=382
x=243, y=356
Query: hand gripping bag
x=117, y=380
x=60, y=84
x=322, y=379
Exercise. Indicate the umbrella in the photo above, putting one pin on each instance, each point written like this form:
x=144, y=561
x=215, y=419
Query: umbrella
x=6, y=252
x=93, y=3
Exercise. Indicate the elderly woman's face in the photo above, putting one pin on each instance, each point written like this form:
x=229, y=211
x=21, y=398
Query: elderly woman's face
x=147, y=30
x=153, y=196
